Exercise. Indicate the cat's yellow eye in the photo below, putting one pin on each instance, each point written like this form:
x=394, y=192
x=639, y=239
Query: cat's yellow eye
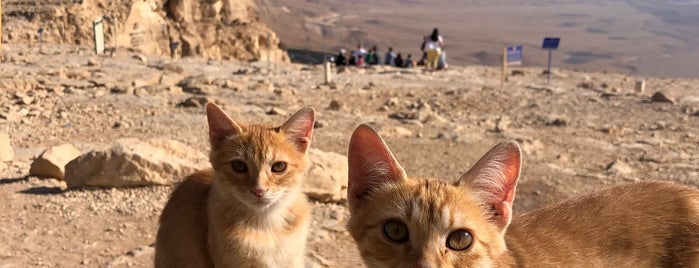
x=239, y=166
x=396, y=231
x=279, y=166
x=459, y=240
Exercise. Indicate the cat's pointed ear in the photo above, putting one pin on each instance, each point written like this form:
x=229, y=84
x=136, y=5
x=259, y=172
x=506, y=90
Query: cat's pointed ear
x=220, y=125
x=494, y=179
x=371, y=163
x=299, y=128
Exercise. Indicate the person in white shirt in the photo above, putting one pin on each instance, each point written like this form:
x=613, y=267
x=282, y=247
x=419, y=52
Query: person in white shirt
x=433, y=47
x=359, y=55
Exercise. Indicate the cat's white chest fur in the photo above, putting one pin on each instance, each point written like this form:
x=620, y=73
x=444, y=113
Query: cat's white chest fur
x=267, y=244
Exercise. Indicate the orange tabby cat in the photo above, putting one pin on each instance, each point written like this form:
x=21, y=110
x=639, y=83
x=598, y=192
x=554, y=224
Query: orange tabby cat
x=397, y=221
x=248, y=211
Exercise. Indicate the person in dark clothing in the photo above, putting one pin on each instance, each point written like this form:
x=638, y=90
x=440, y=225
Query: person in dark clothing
x=409, y=62
x=340, y=59
x=398, y=61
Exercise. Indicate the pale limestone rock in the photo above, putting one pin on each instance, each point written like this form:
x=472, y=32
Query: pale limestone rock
x=51, y=163
x=620, y=168
x=326, y=178
x=6, y=151
x=396, y=132
x=131, y=162
x=145, y=29
x=661, y=97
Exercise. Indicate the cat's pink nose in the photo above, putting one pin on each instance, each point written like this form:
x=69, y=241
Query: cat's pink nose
x=259, y=192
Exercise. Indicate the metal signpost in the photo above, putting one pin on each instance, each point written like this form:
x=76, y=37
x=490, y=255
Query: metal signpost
x=98, y=28
x=512, y=55
x=41, y=38
x=550, y=43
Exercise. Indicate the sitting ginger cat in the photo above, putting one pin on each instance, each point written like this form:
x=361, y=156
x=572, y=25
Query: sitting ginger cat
x=399, y=221
x=248, y=211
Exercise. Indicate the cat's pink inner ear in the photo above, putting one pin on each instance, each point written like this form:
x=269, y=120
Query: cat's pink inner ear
x=494, y=179
x=299, y=128
x=371, y=163
x=220, y=125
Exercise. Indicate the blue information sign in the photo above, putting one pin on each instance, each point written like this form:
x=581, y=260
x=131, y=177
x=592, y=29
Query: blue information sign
x=551, y=42
x=514, y=55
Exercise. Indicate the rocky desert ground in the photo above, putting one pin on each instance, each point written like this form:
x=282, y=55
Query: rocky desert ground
x=585, y=131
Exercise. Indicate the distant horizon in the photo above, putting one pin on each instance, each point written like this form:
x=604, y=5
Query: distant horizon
x=645, y=37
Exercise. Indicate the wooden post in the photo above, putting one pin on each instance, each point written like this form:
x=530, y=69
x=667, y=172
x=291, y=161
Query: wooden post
x=504, y=67
x=1, y=54
x=327, y=68
x=116, y=33
x=549, y=74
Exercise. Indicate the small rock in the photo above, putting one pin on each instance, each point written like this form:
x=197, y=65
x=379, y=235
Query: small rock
x=661, y=97
x=51, y=163
x=23, y=99
x=6, y=151
x=194, y=102
x=120, y=124
x=326, y=178
x=277, y=111
x=503, y=123
x=169, y=79
x=619, y=167
x=392, y=102
x=138, y=83
x=283, y=92
x=242, y=72
x=517, y=73
x=200, y=90
x=318, y=124
x=140, y=57
x=263, y=86
x=92, y=63
x=557, y=121
x=199, y=84
x=123, y=90
x=396, y=132
x=403, y=116
x=588, y=85
x=335, y=105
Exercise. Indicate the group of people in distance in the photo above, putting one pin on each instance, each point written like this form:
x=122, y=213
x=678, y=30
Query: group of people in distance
x=433, y=57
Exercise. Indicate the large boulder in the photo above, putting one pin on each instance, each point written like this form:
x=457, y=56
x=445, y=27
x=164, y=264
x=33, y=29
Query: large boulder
x=145, y=29
x=326, y=178
x=6, y=152
x=131, y=162
x=51, y=163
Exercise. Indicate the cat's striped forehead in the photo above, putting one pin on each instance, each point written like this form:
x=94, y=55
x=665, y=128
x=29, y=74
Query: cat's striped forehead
x=258, y=144
x=432, y=205
x=428, y=201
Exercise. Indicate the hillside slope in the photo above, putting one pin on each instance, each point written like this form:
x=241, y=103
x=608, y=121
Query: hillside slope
x=227, y=29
